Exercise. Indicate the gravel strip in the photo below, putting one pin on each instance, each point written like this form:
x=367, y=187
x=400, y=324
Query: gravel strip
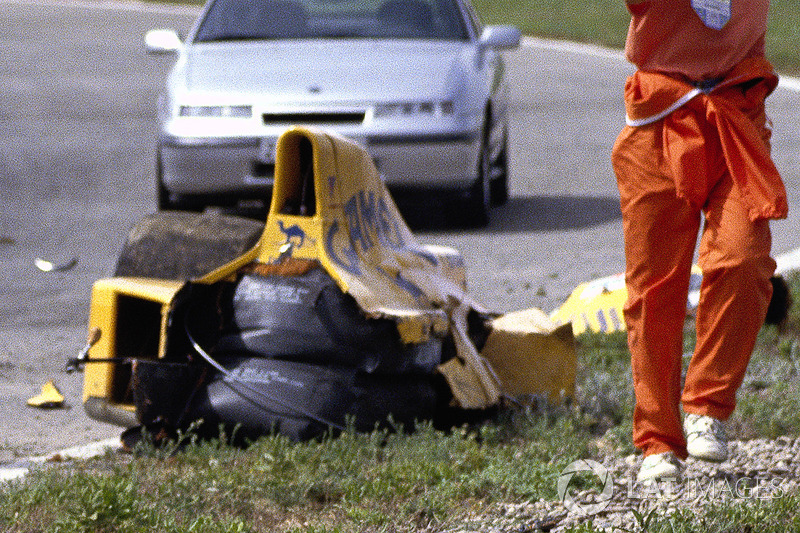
x=758, y=469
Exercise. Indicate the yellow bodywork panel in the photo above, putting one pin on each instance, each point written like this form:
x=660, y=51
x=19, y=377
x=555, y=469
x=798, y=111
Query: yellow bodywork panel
x=330, y=205
x=597, y=306
x=131, y=315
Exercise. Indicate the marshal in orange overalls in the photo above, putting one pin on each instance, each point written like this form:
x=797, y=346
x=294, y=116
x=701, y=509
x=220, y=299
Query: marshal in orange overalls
x=696, y=144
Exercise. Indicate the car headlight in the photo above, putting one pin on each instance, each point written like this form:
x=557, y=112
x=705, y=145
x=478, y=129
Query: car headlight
x=408, y=109
x=224, y=111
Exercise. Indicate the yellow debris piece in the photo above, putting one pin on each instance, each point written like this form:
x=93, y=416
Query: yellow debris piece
x=597, y=305
x=50, y=397
x=532, y=356
x=471, y=378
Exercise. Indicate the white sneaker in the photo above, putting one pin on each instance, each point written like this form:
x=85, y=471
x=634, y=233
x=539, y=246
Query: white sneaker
x=659, y=466
x=705, y=438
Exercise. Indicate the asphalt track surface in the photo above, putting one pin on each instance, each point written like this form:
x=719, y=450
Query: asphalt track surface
x=77, y=131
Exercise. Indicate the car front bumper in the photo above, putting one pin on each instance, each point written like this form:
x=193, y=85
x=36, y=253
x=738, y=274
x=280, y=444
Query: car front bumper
x=233, y=166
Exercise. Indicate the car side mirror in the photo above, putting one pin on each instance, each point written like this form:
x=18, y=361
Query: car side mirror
x=500, y=37
x=162, y=42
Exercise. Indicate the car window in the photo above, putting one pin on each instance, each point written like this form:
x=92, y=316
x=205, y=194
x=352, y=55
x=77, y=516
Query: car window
x=310, y=19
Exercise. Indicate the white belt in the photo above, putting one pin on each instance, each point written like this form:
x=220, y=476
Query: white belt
x=658, y=116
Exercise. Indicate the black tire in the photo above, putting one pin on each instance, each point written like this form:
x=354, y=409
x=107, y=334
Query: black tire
x=309, y=319
x=182, y=245
x=263, y=396
x=479, y=201
x=163, y=197
x=168, y=201
x=499, y=182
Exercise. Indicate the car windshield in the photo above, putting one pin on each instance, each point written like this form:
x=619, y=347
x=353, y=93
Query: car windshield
x=309, y=19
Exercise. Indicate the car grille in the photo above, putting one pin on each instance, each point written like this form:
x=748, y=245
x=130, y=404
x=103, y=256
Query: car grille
x=314, y=118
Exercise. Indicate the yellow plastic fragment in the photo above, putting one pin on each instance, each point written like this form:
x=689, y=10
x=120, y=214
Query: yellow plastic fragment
x=597, y=305
x=49, y=398
x=532, y=356
x=471, y=377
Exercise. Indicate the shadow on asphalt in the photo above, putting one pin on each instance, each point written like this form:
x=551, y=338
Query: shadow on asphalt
x=519, y=214
x=554, y=213
x=436, y=211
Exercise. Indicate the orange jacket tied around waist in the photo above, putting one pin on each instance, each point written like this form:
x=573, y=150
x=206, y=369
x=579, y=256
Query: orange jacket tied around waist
x=732, y=110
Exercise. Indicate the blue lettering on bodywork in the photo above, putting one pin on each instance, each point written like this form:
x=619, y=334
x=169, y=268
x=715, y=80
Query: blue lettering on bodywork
x=371, y=220
x=404, y=284
x=348, y=259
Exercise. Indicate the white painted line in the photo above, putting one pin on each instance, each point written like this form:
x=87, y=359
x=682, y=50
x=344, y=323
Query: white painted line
x=12, y=473
x=20, y=469
x=133, y=5
x=86, y=451
x=790, y=84
x=574, y=48
x=788, y=262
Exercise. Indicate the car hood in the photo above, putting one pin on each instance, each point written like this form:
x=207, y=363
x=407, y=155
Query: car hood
x=308, y=70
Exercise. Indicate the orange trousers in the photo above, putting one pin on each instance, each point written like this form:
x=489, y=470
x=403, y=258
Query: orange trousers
x=661, y=231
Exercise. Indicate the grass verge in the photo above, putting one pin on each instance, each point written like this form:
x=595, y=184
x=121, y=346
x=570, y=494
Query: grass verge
x=605, y=22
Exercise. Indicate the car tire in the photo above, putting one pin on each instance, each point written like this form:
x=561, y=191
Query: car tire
x=499, y=182
x=181, y=245
x=165, y=203
x=480, y=194
x=162, y=194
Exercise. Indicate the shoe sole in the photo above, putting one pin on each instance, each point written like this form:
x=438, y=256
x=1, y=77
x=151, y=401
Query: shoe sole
x=709, y=458
x=660, y=477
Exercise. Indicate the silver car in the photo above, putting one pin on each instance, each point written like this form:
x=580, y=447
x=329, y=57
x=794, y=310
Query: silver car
x=420, y=84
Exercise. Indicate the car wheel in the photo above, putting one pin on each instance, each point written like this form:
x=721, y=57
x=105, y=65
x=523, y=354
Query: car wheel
x=499, y=182
x=163, y=198
x=480, y=195
x=170, y=201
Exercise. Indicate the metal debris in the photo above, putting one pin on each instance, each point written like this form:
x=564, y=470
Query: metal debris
x=49, y=266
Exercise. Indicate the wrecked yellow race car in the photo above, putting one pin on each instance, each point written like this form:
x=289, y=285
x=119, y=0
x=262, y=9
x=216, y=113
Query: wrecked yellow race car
x=333, y=314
